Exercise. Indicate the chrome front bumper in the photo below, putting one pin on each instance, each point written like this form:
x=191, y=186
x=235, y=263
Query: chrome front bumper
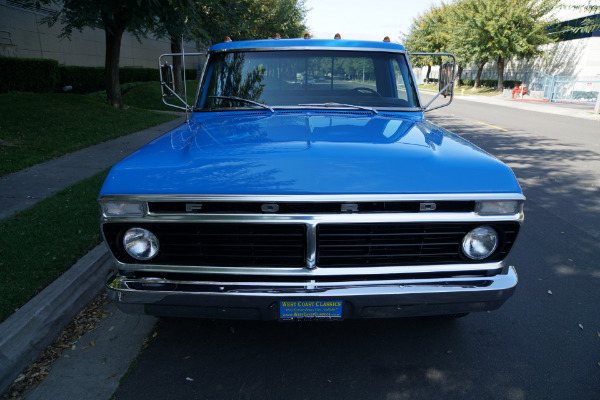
x=260, y=301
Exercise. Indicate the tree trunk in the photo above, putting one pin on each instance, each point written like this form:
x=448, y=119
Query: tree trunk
x=458, y=76
x=177, y=66
x=500, y=86
x=427, y=76
x=111, y=66
x=479, y=72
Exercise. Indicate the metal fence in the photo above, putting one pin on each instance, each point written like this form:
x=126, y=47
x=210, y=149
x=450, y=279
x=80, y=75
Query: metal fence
x=576, y=89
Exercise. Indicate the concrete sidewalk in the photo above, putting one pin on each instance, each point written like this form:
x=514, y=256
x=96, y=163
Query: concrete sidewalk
x=25, y=334
x=584, y=111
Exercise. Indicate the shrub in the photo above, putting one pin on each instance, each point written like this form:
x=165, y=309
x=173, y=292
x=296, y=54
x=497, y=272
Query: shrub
x=91, y=79
x=82, y=79
x=28, y=74
x=44, y=75
x=490, y=83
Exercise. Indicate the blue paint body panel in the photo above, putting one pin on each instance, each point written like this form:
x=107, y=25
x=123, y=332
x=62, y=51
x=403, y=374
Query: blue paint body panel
x=304, y=152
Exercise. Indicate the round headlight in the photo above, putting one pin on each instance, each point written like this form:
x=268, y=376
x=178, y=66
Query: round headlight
x=480, y=242
x=140, y=243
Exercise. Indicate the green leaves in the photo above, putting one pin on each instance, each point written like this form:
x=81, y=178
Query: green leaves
x=478, y=30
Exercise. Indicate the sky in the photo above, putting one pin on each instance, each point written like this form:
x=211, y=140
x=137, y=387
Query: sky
x=363, y=19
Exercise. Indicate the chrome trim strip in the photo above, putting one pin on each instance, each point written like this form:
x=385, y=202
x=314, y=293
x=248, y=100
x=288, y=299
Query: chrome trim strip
x=300, y=283
x=316, y=271
x=318, y=198
x=200, y=82
x=304, y=48
x=342, y=289
x=311, y=245
x=320, y=218
x=414, y=80
x=308, y=109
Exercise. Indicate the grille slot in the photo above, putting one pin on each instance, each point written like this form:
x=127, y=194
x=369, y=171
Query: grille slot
x=355, y=245
x=221, y=245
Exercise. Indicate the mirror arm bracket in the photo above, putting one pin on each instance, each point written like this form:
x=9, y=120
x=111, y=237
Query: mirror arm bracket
x=425, y=107
x=167, y=80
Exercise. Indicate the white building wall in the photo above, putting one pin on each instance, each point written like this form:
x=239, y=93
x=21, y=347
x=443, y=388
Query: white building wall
x=578, y=58
x=87, y=48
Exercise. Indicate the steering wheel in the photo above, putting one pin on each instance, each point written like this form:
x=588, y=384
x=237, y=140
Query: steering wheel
x=365, y=90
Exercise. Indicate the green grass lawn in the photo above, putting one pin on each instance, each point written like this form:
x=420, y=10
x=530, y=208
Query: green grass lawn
x=147, y=96
x=37, y=127
x=458, y=90
x=37, y=245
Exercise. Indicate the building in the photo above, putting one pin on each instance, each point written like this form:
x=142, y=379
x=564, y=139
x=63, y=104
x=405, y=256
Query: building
x=22, y=35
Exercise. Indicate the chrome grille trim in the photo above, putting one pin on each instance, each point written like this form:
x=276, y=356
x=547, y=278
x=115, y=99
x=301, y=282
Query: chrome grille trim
x=484, y=268
x=320, y=218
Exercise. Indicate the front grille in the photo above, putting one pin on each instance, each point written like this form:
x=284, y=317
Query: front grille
x=285, y=245
x=221, y=245
x=359, y=245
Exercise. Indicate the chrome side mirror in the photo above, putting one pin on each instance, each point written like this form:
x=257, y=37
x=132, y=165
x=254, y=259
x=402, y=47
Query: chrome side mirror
x=173, y=85
x=167, y=80
x=446, y=81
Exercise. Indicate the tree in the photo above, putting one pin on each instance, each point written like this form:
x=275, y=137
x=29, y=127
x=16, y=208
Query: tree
x=261, y=19
x=501, y=29
x=469, y=37
x=210, y=21
x=114, y=17
x=592, y=22
x=519, y=31
x=203, y=20
x=246, y=19
x=429, y=33
x=178, y=22
x=481, y=30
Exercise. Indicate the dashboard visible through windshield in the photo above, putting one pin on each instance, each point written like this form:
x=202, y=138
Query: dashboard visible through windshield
x=290, y=78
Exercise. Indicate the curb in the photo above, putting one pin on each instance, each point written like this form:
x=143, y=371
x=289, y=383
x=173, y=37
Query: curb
x=27, y=333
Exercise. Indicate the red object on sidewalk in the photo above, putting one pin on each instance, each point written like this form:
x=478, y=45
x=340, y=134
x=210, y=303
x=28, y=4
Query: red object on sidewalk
x=519, y=90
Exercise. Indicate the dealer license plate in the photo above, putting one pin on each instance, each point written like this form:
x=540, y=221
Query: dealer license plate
x=304, y=310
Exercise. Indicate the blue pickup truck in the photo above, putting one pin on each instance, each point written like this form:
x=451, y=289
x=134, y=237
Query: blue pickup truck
x=305, y=184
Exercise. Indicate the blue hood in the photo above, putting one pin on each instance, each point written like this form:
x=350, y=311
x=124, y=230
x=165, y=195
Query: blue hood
x=308, y=152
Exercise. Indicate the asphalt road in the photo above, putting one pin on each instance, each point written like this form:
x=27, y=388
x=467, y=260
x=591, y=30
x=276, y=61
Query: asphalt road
x=544, y=343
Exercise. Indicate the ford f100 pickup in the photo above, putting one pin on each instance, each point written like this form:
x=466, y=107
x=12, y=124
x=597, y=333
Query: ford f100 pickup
x=307, y=183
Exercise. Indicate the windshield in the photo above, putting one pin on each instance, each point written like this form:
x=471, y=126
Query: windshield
x=289, y=78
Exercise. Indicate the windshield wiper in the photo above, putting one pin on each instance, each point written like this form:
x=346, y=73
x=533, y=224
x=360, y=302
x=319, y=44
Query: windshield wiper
x=374, y=111
x=242, y=100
